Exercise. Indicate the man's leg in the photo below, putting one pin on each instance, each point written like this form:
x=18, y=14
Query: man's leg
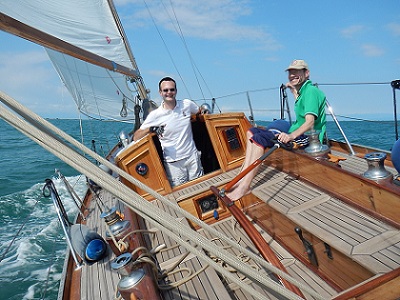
x=193, y=166
x=176, y=172
x=253, y=152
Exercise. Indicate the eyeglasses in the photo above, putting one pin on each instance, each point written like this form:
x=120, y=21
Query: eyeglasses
x=166, y=90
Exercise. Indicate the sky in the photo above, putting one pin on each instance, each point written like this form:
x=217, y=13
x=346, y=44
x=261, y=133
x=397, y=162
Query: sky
x=236, y=51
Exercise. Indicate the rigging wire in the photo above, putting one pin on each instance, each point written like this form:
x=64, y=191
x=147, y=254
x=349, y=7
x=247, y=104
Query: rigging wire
x=178, y=29
x=354, y=83
x=19, y=231
x=319, y=84
x=192, y=61
x=324, y=84
x=244, y=92
x=357, y=119
x=166, y=47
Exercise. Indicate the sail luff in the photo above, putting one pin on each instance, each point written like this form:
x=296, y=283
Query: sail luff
x=22, y=30
x=143, y=92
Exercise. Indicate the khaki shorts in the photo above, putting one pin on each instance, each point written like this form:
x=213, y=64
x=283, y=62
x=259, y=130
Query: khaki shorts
x=183, y=170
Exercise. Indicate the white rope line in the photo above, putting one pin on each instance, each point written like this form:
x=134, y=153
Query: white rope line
x=72, y=158
x=137, y=203
x=77, y=163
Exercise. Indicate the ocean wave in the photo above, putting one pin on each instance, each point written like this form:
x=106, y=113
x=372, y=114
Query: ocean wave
x=38, y=253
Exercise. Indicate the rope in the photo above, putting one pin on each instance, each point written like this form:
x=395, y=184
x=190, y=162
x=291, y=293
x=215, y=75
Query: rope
x=45, y=138
x=134, y=201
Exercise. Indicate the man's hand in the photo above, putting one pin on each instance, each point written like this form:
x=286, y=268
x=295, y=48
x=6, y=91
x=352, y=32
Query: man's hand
x=159, y=130
x=285, y=137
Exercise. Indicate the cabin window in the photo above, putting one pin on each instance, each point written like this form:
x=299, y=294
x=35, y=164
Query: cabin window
x=232, y=138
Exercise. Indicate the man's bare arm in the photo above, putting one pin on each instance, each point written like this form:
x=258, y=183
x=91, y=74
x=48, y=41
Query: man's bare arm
x=140, y=133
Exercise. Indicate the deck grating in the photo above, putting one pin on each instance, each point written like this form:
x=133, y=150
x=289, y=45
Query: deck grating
x=328, y=218
x=356, y=165
x=336, y=223
x=205, y=285
x=229, y=227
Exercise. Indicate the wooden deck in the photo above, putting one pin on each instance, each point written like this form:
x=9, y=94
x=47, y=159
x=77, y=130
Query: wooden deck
x=355, y=164
x=98, y=280
x=208, y=285
x=369, y=241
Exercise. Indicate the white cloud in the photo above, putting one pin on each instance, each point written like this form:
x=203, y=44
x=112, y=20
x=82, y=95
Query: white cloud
x=30, y=78
x=212, y=20
x=24, y=69
x=372, y=50
x=394, y=28
x=351, y=31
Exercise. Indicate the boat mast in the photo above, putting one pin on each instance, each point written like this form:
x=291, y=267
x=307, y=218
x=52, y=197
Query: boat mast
x=22, y=30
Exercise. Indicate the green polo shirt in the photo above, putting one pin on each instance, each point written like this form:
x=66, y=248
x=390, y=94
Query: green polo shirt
x=311, y=100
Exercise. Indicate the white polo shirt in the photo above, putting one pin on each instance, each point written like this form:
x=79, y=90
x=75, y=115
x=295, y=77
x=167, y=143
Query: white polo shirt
x=177, y=140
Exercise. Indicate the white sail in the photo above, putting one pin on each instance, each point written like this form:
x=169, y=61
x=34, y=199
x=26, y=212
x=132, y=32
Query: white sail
x=98, y=93
x=91, y=26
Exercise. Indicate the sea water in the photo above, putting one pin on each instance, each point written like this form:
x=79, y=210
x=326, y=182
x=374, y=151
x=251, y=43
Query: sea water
x=32, y=244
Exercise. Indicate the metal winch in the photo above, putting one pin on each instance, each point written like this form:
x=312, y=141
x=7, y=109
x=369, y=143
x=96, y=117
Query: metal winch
x=376, y=166
x=132, y=277
x=315, y=148
x=117, y=227
x=124, y=139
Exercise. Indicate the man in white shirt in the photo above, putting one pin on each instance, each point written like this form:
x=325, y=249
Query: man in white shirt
x=171, y=122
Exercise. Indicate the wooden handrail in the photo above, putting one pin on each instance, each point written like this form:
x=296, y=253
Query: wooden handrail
x=290, y=146
x=250, y=167
x=257, y=239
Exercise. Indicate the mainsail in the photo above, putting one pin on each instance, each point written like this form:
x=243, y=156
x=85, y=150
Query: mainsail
x=94, y=28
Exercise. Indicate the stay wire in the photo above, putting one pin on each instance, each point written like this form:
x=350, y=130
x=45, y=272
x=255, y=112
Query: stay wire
x=52, y=263
x=354, y=83
x=19, y=230
x=166, y=47
x=196, y=70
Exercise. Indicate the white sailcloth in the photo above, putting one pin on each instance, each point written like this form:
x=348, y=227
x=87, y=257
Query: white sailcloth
x=89, y=25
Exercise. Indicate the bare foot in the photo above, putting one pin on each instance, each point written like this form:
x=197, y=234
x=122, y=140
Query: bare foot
x=238, y=193
x=236, y=185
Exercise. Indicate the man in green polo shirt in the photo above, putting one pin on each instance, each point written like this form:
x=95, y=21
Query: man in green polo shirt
x=310, y=114
x=309, y=104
